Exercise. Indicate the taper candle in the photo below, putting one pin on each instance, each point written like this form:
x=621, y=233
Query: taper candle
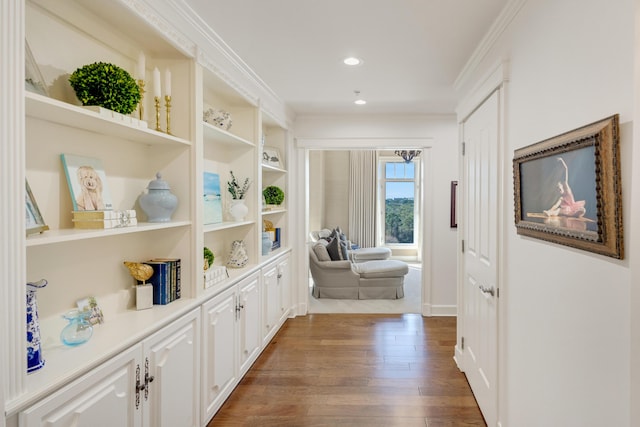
x=157, y=90
x=141, y=66
x=167, y=82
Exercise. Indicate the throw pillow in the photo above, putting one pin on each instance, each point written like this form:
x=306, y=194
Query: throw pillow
x=321, y=252
x=344, y=248
x=335, y=250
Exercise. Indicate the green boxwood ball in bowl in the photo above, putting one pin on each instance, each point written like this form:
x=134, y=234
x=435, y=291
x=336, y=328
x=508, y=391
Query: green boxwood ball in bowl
x=273, y=195
x=106, y=85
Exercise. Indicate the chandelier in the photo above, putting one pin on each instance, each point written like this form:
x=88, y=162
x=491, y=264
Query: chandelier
x=407, y=155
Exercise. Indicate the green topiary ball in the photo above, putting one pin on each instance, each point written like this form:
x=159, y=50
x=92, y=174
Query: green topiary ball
x=208, y=255
x=273, y=195
x=106, y=85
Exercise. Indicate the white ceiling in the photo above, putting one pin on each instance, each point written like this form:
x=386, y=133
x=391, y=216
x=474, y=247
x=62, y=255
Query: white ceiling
x=413, y=50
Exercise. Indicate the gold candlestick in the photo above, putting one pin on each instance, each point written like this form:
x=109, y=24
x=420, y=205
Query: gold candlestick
x=167, y=104
x=157, y=103
x=141, y=103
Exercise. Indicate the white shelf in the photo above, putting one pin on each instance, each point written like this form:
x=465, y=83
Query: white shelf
x=272, y=169
x=226, y=225
x=225, y=138
x=274, y=211
x=71, y=234
x=52, y=110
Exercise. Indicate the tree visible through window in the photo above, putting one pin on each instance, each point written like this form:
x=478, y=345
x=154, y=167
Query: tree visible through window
x=399, y=202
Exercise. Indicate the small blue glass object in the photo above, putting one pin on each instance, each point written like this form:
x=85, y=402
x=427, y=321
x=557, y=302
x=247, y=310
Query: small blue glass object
x=79, y=330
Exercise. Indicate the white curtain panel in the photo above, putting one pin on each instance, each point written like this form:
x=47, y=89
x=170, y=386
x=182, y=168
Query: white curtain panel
x=362, y=197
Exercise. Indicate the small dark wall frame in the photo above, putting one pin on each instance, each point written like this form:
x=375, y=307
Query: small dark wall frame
x=454, y=204
x=568, y=189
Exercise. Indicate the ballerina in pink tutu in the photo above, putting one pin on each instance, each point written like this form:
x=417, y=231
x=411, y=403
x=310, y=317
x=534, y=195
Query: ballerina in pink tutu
x=566, y=204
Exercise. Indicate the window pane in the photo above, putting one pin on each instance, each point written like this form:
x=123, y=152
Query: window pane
x=399, y=170
x=399, y=212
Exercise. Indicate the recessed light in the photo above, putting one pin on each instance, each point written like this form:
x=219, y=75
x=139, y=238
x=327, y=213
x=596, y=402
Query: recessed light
x=359, y=102
x=352, y=60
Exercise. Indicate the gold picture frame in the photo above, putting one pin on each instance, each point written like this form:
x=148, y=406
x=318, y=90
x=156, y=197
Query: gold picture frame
x=33, y=219
x=568, y=189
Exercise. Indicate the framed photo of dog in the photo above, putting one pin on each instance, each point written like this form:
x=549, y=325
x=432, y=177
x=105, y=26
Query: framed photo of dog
x=568, y=189
x=87, y=183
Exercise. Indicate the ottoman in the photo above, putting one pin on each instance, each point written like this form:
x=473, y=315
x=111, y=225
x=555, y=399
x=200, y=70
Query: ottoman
x=381, y=279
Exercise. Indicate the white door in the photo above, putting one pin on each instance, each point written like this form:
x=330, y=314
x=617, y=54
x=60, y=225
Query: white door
x=249, y=322
x=480, y=287
x=271, y=301
x=172, y=361
x=220, y=355
x=103, y=398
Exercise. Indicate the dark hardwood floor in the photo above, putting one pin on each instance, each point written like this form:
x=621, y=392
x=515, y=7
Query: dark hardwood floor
x=355, y=370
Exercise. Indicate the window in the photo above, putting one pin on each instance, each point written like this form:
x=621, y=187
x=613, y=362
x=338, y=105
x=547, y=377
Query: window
x=399, y=190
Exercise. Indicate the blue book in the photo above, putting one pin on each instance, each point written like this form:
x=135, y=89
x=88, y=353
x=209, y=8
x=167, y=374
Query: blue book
x=174, y=277
x=159, y=281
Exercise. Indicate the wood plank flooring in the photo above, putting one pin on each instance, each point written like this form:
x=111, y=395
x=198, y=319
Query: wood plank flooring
x=355, y=370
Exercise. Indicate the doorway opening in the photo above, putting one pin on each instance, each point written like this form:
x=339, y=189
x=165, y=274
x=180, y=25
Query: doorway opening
x=399, y=221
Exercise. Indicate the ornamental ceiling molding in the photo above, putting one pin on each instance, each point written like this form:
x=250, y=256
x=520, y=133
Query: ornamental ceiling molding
x=219, y=58
x=207, y=62
x=488, y=41
x=169, y=31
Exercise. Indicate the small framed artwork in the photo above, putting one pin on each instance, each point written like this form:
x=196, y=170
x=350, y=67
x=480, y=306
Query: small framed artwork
x=568, y=189
x=271, y=157
x=34, y=222
x=212, y=198
x=87, y=183
x=454, y=197
x=33, y=80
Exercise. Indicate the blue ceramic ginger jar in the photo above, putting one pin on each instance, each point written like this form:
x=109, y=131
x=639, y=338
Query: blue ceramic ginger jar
x=158, y=203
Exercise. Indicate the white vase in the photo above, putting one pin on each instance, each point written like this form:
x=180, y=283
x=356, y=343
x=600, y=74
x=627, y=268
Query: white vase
x=238, y=210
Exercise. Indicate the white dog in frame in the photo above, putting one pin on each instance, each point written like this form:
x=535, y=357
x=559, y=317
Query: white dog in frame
x=90, y=197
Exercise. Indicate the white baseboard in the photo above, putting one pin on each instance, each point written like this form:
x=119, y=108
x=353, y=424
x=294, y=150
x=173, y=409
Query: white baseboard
x=429, y=310
x=457, y=357
x=444, y=310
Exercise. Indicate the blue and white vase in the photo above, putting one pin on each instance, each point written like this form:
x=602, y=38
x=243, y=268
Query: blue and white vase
x=35, y=360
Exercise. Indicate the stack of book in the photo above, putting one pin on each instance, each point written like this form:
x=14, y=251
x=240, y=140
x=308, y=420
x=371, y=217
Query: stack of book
x=165, y=280
x=274, y=235
x=104, y=219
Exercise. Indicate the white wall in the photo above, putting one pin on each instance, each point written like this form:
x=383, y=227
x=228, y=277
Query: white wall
x=404, y=131
x=565, y=312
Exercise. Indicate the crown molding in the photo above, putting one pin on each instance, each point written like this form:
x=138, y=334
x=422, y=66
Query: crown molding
x=217, y=56
x=488, y=41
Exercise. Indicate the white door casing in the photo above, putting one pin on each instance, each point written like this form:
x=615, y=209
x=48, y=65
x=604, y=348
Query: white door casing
x=480, y=259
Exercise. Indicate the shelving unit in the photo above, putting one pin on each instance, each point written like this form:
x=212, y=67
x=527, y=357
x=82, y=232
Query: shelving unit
x=80, y=263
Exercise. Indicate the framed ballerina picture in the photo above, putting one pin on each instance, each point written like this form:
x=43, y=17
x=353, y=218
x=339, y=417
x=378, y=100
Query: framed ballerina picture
x=568, y=191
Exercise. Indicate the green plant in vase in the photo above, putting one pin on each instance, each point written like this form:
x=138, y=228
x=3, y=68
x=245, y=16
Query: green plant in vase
x=106, y=85
x=236, y=190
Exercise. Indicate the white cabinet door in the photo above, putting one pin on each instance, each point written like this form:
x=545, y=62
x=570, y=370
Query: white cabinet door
x=249, y=322
x=220, y=354
x=271, y=301
x=172, y=363
x=103, y=398
x=284, y=283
